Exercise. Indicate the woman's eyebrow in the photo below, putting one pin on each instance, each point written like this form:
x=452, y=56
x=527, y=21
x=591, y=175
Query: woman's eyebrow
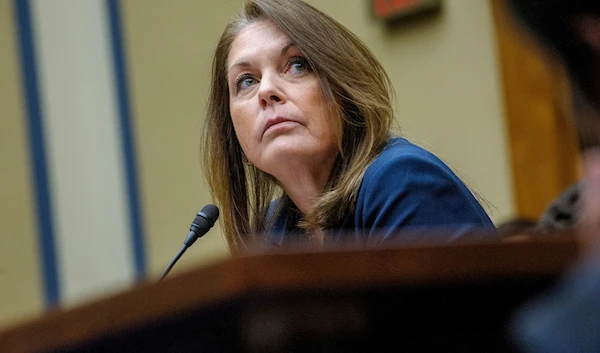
x=245, y=64
x=286, y=48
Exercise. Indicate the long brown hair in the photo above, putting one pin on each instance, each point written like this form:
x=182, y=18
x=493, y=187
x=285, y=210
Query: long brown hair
x=351, y=78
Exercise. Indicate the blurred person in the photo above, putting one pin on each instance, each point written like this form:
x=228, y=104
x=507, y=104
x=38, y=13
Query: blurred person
x=568, y=318
x=298, y=143
x=563, y=213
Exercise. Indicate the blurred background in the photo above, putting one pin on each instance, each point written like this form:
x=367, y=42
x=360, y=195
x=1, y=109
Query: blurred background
x=101, y=111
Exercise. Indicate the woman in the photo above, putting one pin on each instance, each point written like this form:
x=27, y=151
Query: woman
x=298, y=142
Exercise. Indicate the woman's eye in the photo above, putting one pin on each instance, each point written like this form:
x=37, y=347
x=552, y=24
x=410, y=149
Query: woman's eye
x=299, y=64
x=245, y=81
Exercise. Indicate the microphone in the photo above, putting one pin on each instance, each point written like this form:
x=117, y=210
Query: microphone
x=204, y=220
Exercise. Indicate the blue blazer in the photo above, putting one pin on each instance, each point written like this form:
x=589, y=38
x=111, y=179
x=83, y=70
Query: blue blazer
x=407, y=195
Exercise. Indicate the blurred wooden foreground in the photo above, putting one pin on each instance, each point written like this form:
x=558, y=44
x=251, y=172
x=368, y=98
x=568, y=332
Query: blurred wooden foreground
x=411, y=298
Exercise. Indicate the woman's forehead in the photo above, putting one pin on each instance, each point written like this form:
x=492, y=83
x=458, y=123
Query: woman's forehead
x=256, y=39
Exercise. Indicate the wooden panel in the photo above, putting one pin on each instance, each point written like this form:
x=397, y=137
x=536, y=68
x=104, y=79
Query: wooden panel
x=504, y=268
x=542, y=141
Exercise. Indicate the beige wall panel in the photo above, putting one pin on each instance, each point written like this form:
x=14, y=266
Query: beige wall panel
x=21, y=287
x=169, y=47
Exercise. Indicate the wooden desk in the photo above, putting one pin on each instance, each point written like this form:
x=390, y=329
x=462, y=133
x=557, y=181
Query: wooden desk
x=416, y=299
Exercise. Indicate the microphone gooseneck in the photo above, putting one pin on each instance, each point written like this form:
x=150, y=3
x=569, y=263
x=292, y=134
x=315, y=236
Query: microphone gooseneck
x=204, y=220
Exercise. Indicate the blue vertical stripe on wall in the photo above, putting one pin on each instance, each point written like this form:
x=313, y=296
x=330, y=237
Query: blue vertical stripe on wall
x=118, y=50
x=38, y=154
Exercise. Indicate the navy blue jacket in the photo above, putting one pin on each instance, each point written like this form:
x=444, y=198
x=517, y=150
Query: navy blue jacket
x=407, y=195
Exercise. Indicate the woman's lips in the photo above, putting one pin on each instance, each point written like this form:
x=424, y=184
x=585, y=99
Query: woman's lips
x=276, y=121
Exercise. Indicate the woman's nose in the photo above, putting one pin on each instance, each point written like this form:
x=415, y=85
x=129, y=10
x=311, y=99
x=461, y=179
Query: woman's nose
x=270, y=90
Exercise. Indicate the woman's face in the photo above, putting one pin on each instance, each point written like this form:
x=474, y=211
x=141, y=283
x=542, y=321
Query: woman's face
x=277, y=109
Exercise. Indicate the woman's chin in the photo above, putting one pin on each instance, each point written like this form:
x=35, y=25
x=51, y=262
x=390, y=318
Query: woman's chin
x=286, y=155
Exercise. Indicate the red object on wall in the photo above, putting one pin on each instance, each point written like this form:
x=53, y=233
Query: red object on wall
x=393, y=9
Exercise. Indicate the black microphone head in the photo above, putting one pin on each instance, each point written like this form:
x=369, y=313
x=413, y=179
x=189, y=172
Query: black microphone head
x=205, y=219
x=210, y=212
